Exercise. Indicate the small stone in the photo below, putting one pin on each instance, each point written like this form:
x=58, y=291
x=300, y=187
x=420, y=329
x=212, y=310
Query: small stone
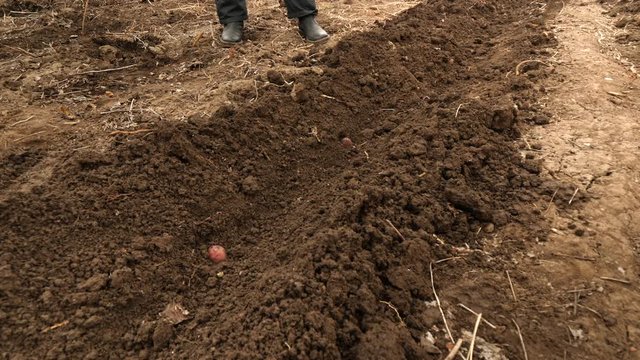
x=175, y=313
x=220, y=274
x=162, y=335
x=579, y=232
x=94, y=283
x=346, y=143
x=157, y=50
x=429, y=346
x=541, y=119
x=489, y=228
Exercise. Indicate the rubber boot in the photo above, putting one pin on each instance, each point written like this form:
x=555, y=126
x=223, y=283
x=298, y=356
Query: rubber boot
x=311, y=30
x=232, y=33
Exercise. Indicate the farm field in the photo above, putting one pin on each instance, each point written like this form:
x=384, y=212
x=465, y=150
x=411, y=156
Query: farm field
x=432, y=161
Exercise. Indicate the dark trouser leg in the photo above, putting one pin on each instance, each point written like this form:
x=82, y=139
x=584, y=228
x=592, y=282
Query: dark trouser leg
x=232, y=10
x=300, y=8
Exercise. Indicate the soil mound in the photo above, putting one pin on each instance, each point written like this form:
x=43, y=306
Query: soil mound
x=329, y=245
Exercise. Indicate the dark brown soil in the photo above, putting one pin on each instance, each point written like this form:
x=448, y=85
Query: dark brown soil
x=324, y=243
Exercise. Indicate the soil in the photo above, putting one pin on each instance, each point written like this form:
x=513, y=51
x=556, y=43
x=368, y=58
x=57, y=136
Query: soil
x=129, y=149
x=593, y=144
x=625, y=30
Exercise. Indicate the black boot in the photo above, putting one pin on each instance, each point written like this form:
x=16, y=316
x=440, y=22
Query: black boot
x=311, y=30
x=232, y=33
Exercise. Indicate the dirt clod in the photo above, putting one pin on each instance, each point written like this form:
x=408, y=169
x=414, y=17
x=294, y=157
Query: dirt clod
x=120, y=278
x=250, y=185
x=162, y=334
x=94, y=283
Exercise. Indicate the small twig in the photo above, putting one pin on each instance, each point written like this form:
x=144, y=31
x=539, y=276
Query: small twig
x=513, y=292
x=396, y=230
x=584, y=258
x=454, y=350
x=580, y=290
x=255, y=86
x=447, y=259
x=473, y=338
x=458, y=109
x=131, y=132
x=191, y=277
x=21, y=50
x=21, y=121
x=394, y=309
x=113, y=111
x=435, y=294
x=623, y=281
x=573, y=196
x=106, y=70
x=576, y=295
x=55, y=326
x=476, y=314
x=84, y=14
x=551, y=201
x=22, y=12
x=524, y=349
x=592, y=310
x=30, y=135
x=529, y=61
x=438, y=239
x=314, y=132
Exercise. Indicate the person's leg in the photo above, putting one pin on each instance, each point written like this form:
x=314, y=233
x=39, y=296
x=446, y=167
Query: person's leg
x=230, y=11
x=305, y=11
x=300, y=8
x=232, y=14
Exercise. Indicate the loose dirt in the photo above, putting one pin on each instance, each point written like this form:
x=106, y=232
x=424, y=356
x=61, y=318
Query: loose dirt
x=114, y=183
